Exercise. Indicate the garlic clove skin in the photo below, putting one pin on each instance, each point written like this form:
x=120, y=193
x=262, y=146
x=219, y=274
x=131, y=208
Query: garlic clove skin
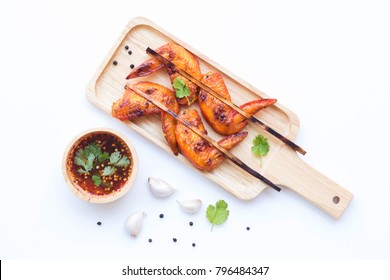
x=191, y=205
x=159, y=187
x=134, y=223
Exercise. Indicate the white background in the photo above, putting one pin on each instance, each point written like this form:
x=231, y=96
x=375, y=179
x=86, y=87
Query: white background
x=327, y=61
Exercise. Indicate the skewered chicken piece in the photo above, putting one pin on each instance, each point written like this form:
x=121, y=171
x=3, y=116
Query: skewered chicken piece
x=222, y=118
x=180, y=57
x=197, y=150
x=131, y=106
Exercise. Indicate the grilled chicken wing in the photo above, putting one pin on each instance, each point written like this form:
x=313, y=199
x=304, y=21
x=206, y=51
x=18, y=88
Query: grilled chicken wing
x=131, y=106
x=197, y=150
x=180, y=57
x=220, y=116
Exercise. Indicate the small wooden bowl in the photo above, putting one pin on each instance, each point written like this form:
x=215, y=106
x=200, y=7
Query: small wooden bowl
x=70, y=178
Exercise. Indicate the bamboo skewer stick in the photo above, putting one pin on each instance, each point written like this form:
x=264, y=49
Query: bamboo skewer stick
x=225, y=152
x=188, y=76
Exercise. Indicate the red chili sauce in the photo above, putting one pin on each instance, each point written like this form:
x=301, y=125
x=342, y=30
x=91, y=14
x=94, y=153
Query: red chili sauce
x=107, y=143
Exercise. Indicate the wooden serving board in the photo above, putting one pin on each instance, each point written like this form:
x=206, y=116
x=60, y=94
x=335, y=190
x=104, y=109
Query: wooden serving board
x=282, y=165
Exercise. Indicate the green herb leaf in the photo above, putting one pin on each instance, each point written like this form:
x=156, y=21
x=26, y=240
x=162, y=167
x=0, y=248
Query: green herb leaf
x=97, y=180
x=79, y=161
x=217, y=214
x=181, y=89
x=90, y=160
x=115, y=157
x=85, y=162
x=260, y=147
x=87, y=157
x=82, y=154
x=108, y=170
x=103, y=157
x=93, y=148
x=81, y=171
x=123, y=162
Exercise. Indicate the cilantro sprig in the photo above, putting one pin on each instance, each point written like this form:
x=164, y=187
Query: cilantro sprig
x=181, y=89
x=92, y=155
x=86, y=157
x=118, y=160
x=97, y=180
x=260, y=147
x=217, y=214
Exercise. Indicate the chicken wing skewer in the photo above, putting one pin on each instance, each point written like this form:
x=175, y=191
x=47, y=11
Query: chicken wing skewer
x=193, y=79
x=225, y=152
x=178, y=55
x=131, y=106
x=196, y=149
x=221, y=117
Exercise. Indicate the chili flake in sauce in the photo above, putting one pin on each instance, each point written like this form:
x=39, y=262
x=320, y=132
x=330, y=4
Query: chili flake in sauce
x=101, y=164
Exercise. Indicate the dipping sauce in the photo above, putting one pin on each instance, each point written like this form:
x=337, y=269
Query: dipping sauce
x=100, y=164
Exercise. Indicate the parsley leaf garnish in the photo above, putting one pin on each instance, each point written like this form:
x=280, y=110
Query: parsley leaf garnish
x=217, y=214
x=260, y=147
x=103, y=157
x=85, y=157
x=115, y=157
x=119, y=161
x=85, y=161
x=124, y=161
x=94, y=149
x=93, y=155
x=181, y=89
x=97, y=180
x=108, y=170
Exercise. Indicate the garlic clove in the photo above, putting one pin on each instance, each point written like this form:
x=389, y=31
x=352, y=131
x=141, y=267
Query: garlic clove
x=134, y=223
x=160, y=188
x=190, y=205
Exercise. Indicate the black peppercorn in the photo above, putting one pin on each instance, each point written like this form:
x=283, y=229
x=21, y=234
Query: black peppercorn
x=115, y=62
x=191, y=223
x=129, y=52
x=174, y=240
x=126, y=47
x=161, y=216
x=99, y=223
x=131, y=66
x=193, y=244
x=248, y=228
x=150, y=240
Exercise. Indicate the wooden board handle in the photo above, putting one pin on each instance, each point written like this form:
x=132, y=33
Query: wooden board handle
x=293, y=173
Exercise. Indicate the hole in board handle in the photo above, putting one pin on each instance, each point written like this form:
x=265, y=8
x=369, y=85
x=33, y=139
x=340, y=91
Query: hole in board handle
x=336, y=199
